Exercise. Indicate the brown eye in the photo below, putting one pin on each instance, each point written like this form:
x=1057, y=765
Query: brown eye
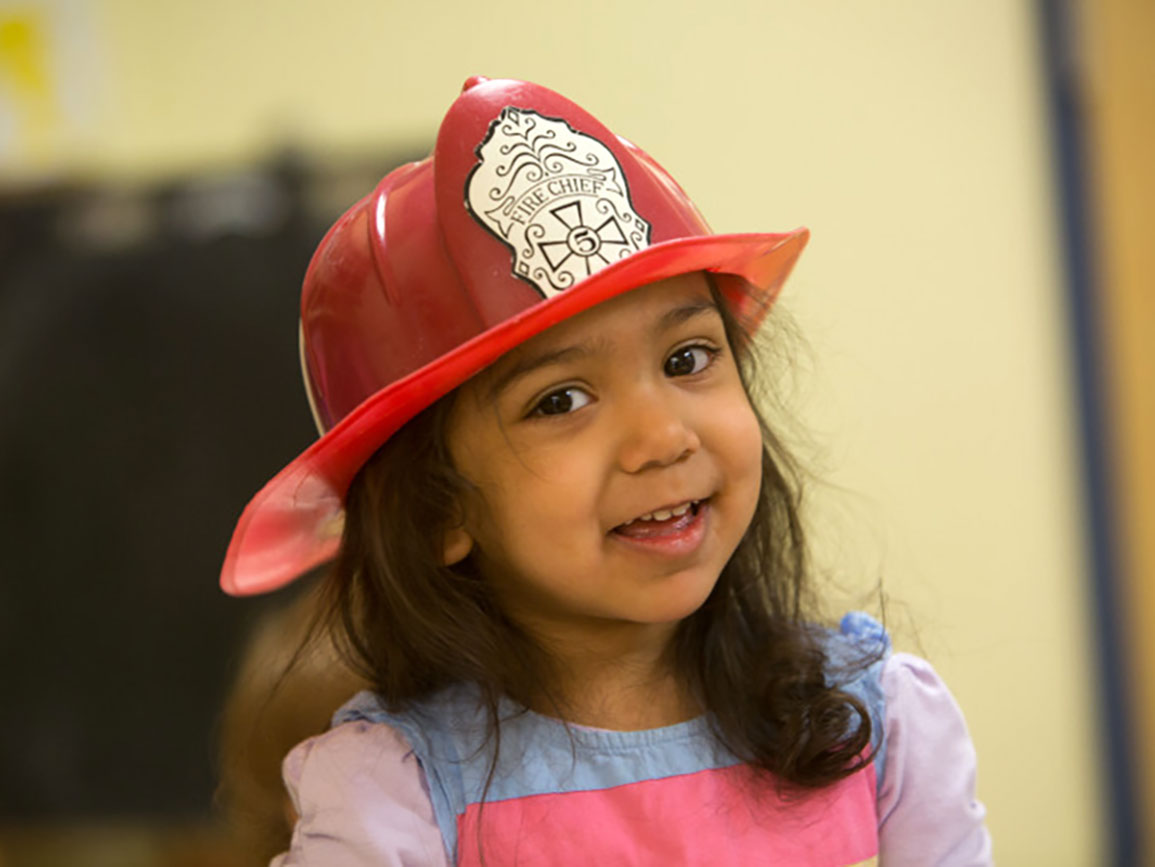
x=689, y=360
x=561, y=401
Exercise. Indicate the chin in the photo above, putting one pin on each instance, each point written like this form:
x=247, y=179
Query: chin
x=679, y=604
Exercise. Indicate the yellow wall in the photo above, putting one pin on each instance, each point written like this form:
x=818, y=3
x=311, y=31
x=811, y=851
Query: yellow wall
x=909, y=136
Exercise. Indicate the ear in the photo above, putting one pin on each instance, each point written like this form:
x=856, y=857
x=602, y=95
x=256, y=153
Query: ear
x=456, y=546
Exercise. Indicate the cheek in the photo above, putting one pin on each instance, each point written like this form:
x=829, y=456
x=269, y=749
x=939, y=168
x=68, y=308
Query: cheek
x=737, y=427
x=536, y=509
x=752, y=445
x=745, y=465
x=555, y=480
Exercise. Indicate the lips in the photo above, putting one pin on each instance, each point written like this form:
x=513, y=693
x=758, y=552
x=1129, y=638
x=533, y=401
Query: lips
x=661, y=522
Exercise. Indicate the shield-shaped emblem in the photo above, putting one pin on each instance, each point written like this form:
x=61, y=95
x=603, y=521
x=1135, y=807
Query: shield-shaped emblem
x=557, y=197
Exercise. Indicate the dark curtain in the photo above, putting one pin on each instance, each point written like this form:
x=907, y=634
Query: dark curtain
x=149, y=385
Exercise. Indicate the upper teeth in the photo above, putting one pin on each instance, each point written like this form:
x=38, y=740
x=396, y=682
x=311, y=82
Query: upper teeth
x=665, y=514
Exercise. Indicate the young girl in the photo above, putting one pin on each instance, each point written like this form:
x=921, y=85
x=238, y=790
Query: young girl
x=567, y=550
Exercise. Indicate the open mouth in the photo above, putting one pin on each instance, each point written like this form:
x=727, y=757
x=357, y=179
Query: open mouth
x=662, y=521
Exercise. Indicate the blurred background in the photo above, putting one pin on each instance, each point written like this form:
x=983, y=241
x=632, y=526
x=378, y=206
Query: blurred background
x=979, y=383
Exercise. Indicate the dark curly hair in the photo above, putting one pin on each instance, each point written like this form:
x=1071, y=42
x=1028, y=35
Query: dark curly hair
x=751, y=655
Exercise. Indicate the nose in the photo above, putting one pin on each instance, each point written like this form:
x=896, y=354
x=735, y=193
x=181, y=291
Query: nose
x=655, y=432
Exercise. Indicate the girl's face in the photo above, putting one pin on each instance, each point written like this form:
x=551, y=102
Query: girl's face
x=617, y=463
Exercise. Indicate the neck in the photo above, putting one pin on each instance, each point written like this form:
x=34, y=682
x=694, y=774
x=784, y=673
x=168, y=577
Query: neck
x=623, y=680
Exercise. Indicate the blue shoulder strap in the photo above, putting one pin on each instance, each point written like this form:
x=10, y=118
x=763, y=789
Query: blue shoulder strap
x=441, y=743
x=857, y=656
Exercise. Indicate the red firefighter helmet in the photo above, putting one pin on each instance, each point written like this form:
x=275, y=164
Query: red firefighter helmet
x=529, y=211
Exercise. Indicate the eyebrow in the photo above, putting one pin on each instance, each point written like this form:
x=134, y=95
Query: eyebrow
x=686, y=312
x=527, y=364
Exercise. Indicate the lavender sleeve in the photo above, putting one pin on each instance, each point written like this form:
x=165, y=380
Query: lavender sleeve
x=927, y=810
x=361, y=800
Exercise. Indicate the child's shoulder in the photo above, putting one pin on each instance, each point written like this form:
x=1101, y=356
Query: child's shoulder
x=360, y=798
x=926, y=766
x=366, y=748
x=454, y=714
x=858, y=654
x=912, y=712
x=861, y=661
x=345, y=746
